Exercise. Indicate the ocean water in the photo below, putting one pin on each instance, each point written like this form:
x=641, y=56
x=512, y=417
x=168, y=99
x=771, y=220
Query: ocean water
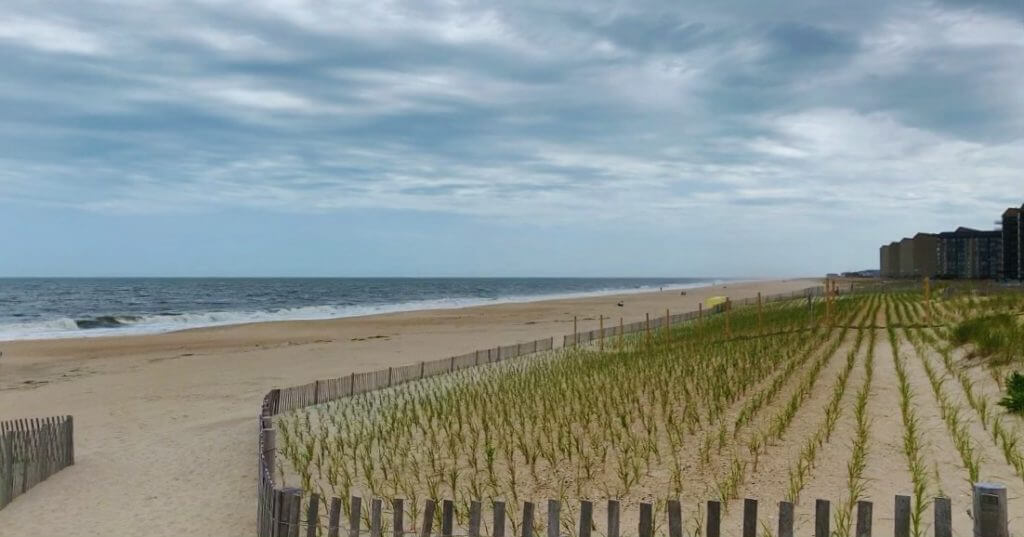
x=40, y=308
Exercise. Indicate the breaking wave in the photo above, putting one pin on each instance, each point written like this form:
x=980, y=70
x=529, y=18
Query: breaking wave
x=170, y=321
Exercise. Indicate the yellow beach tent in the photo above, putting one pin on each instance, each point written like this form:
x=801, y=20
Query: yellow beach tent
x=715, y=300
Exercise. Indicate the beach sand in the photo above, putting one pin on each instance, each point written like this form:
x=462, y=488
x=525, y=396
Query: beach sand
x=165, y=425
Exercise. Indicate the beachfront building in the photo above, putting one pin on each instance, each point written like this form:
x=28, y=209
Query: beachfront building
x=925, y=255
x=1020, y=245
x=906, y=256
x=894, y=259
x=1012, y=244
x=883, y=260
x=970, y=254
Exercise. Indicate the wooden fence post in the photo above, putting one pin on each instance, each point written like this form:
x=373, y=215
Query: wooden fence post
x=785, y=519
x=281, y=503
x=474, y=518
x=622, y=332
x=313, y=515
x=668, y=324
x=647, y=328
x=760, y=315
x=714, y=524
x=586, y=518
x=70, y=420
x=498, y=525
x=675, y=518
x=428, y=519
x=447, y=518
x=943, y=518
x=990, y=510
x=613, y=518
x=423, y=366
x=901, y=516
x=390, y=371
x=864, y=509
x=294, y=522
x=376, y=527
x=600, y=321
x=821, y=518
x=6, y=469
x=646, y=526
x=334, y=518
x=749, y=518
x=554, y=517
x=575, y=333
x=527, y=529
x=397, y=517
x=352, y=384
x=353, y=516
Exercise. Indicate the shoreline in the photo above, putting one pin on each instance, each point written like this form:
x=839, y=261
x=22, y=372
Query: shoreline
x=248, y=317
x=164, y=422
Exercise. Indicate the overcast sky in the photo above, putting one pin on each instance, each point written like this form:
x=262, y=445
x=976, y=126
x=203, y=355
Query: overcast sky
x=328, y=137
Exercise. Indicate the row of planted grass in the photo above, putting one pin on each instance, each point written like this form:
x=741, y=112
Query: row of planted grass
x=575, y=424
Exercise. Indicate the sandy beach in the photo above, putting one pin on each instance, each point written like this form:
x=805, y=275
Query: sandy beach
x=165, y=423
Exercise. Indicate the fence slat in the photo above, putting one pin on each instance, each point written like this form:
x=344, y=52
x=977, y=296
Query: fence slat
x=474, y=518
x=586, y=518
x=864, y=509
x=447, y=518
x=527, y=526
x=943, y=518
x=675, y=518
x=280, y=509
x=554, y=517
x=901, y=516
x=498, y=525
x=376, y=528
x=397, y=517
x=428, y=518
x=613, y=518
x=334, y=518
x=749, y=518
x=785, y=519
x=312, y=515
x=355, y=511
x=646, y=525
x=821, y=518
x=294, y=507
x=714, y=525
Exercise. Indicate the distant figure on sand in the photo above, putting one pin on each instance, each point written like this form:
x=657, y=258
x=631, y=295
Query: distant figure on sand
x=619, y=304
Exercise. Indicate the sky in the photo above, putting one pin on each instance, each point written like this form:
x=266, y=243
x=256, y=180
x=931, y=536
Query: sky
x=516, y=138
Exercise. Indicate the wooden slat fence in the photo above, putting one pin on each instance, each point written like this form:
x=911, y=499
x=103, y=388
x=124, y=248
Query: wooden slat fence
x=296, y=515
x=32, y=450
x=658, y=321
x=271, y=510
x=323, y=391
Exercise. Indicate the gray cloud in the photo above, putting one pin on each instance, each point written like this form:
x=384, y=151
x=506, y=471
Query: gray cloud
x=525, y=110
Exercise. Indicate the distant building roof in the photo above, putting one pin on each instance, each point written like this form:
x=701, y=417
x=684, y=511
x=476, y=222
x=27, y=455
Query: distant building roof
x=969, y=232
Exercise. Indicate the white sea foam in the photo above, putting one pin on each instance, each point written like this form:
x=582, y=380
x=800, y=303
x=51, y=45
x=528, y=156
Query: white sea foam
x=151, y=324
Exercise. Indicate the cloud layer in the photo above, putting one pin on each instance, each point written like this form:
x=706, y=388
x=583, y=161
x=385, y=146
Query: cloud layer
x=638, y=113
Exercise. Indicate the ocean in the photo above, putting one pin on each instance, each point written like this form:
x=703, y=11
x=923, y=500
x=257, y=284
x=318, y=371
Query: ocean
x=42, y=308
